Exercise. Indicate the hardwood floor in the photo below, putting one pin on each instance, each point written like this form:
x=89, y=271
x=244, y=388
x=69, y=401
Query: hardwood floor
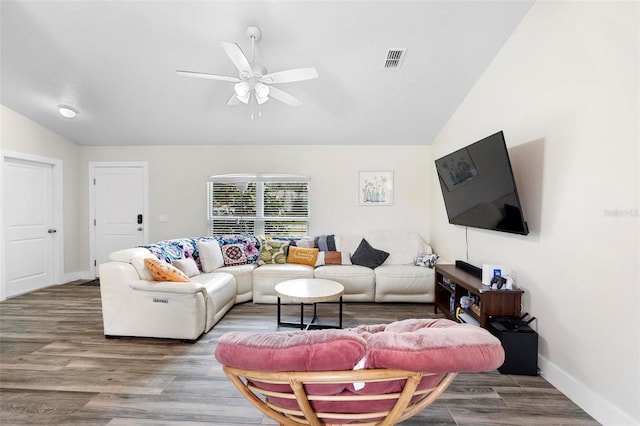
x=56, y=367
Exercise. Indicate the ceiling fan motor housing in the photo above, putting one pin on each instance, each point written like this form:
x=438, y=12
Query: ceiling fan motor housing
x=254, y=32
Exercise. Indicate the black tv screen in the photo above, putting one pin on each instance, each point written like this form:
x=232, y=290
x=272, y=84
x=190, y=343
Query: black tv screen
x=479, y=189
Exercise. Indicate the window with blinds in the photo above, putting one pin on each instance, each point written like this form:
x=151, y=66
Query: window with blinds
x=259, y=204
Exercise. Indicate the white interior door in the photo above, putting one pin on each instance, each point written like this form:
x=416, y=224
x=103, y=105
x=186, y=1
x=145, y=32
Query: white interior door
x=120, y=213
x=30, y=230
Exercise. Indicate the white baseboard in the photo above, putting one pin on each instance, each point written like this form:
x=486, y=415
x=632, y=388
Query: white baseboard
x=74, y=276
x=593, y=403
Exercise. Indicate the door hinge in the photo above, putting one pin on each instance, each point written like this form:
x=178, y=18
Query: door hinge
x=95, y=263
x=94, y=181
x=94, y=222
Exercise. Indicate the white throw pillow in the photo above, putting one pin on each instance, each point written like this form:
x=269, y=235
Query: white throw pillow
x=188, y=266
x=210, y=255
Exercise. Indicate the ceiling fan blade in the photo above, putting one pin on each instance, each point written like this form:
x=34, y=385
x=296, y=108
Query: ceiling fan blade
x=290, y=76
x=207, y=75
x=284, y=97
x=233, y=100
x=237, y=57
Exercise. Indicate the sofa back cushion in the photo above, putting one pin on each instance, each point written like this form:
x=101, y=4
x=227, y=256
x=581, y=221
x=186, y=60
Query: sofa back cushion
x=210, y=255
x=403, y=246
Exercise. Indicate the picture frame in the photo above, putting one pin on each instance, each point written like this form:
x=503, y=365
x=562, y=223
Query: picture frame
x=375, y=188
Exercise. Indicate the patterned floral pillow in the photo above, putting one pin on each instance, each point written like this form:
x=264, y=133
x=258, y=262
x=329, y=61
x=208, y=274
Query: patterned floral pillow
x=273, y=251
x=233, y=254
x=250, y=245
x=163, y=271
x=427, y=260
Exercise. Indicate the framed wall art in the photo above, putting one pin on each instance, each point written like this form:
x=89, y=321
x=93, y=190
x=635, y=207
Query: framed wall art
x=375, y=188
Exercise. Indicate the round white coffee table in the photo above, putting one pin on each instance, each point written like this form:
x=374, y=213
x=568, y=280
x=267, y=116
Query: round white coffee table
x=307, y=291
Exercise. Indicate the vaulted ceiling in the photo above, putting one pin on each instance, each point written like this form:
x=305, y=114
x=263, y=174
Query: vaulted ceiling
x=116, y=62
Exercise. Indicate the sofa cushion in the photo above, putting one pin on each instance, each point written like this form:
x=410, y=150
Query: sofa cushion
x=210, y=255
x=398, y=283
x=126, y=255
x=273, y=251
x=365, y=255
x=163, y=271
x=188, y=266
x=403, y=246
x=303, y=256
x=141, y=268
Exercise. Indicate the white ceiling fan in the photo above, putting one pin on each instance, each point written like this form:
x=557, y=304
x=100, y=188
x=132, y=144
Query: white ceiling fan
x=253, y=82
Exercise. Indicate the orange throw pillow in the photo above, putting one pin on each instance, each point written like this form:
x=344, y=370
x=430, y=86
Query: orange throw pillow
x=303, y=256
x=163, y=271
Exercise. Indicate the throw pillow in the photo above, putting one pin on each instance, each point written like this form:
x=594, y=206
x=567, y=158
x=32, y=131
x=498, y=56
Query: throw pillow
x=333, y=258
x=210, y=255
x=163, y=271
x=233, y=254
x=250, y=245
x=365, y=255
x=273, y=252
x=187, y=265
x=303, y=256
x=306, y=242
x=325, y=242
x=427, y=260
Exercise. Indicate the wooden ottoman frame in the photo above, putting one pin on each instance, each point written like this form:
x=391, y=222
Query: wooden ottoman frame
x=408, y=402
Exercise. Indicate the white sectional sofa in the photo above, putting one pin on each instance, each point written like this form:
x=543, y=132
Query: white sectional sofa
x=133, y=304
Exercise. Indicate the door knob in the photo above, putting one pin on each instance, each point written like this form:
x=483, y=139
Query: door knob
x=52, y=231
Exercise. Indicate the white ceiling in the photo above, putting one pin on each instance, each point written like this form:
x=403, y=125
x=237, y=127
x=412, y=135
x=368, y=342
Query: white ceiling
x=115, y=62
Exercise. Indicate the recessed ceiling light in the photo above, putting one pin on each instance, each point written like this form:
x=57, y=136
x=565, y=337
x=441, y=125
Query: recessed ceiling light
x=67, y=112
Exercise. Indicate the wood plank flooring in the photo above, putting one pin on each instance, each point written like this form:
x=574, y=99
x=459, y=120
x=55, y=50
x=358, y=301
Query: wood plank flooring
x=56, y=367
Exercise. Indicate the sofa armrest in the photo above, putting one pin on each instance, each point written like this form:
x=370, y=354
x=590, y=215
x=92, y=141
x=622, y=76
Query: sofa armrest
x=167, y=287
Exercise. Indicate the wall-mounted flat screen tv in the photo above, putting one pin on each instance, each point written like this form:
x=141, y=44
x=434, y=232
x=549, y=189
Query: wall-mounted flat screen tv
x=479, y=189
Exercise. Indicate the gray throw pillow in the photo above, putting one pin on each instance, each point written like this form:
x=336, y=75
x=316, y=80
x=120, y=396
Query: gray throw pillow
x=365, y=255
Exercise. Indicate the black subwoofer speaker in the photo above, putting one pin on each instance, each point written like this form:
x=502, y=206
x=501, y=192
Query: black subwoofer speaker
x=520, y=343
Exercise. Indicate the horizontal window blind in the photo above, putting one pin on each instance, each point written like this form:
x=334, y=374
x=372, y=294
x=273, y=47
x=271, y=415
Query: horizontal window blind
x=258, y=204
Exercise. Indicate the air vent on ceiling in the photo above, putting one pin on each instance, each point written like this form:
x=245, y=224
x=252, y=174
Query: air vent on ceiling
x=394, y=59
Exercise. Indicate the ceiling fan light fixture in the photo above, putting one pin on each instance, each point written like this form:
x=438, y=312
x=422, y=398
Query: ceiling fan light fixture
x=67, y=112
x=262, y=90
x=242, y=89
x=244, y=98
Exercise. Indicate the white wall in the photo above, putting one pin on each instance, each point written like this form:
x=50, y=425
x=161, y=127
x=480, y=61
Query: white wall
x=564, y=88
x=20, y=134
x=177, y=177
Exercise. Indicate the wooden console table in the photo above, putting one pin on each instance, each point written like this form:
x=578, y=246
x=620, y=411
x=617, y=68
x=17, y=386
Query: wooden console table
x=450, y=280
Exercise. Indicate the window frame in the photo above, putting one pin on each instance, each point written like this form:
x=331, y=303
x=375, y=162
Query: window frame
x=256, y=184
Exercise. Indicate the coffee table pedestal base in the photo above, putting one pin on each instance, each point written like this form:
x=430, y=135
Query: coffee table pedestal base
x=311, y=325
